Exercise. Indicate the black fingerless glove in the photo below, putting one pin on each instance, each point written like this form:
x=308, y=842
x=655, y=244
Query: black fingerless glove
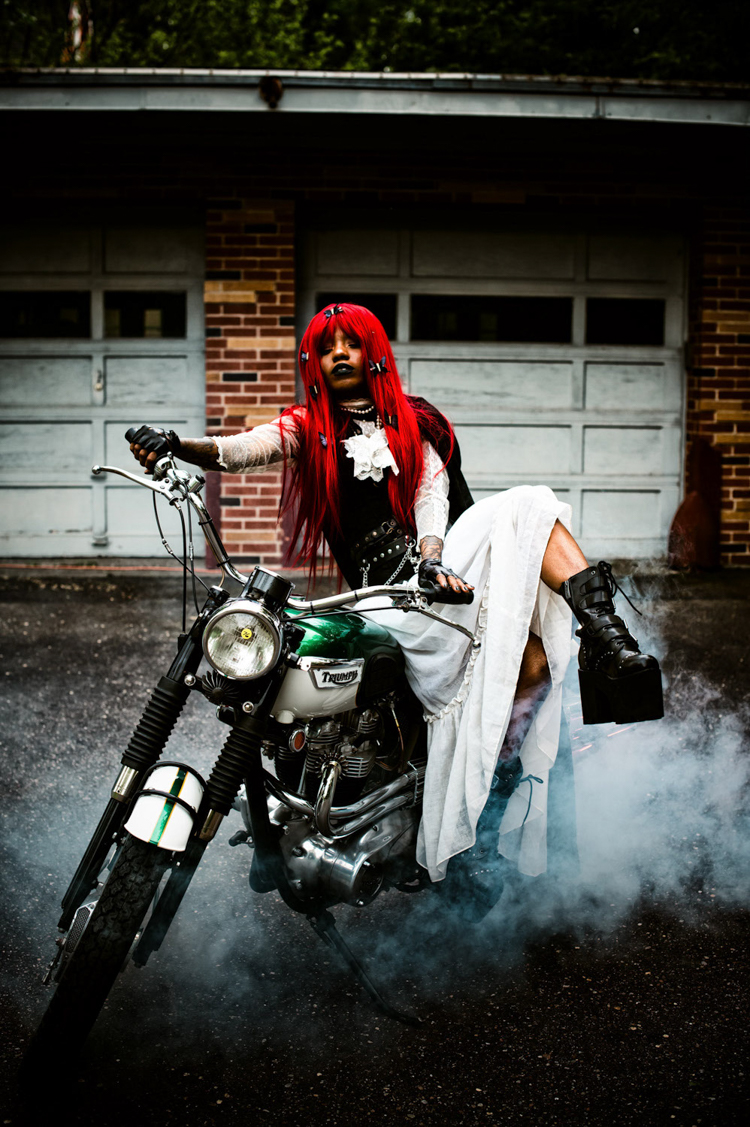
x=154, y=440
x=428, y=573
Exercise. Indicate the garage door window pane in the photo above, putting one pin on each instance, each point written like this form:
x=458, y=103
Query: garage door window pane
x=144, y=315
x=537, y=320
x=383, y=305
x=45, y=313
x=624, y=320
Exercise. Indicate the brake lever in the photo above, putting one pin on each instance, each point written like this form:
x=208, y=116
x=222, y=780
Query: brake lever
x=152, y=485
x=159, y=482
x=416, y=601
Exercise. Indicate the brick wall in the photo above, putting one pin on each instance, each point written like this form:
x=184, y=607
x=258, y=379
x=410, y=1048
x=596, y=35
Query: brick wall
x=719, y=364
x=250, y=354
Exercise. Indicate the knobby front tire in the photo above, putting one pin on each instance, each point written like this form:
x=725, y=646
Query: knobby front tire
x=99, y=956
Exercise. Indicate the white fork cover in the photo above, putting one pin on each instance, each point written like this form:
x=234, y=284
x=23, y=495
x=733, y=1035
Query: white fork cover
x=160, y=819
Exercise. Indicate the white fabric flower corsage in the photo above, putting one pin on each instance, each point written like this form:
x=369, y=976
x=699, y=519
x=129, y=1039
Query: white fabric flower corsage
x=371, y=454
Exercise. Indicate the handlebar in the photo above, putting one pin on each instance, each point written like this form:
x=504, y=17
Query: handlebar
x=179, y=486
x=405, y=597
x=331, y=602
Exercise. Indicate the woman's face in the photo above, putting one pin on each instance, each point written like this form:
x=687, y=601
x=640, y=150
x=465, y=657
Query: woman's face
x=342, y=366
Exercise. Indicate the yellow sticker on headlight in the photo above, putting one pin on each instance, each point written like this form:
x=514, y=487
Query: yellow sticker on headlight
x=247, y=633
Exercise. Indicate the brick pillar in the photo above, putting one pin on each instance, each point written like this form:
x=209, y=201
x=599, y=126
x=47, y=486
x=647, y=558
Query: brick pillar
x=719, y=381
x=250, y=355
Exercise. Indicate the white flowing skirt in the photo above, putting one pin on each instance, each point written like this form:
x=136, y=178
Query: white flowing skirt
x=497, y=545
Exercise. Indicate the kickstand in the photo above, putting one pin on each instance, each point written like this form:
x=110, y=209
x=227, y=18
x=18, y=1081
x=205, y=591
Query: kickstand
x=325, y=925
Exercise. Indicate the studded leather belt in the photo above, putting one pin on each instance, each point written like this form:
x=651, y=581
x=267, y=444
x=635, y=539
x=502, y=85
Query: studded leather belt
x=387, y=541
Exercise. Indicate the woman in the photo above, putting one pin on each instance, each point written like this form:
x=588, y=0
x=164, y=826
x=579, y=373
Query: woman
x=376, y=475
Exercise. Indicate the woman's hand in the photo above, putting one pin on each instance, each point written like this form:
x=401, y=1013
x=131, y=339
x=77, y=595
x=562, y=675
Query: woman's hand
x=437, y=580
x=149, y=444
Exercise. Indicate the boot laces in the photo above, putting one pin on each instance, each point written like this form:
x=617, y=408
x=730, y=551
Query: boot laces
x=605, y=569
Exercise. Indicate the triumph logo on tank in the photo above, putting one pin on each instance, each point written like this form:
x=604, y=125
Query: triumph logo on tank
x=337, y=676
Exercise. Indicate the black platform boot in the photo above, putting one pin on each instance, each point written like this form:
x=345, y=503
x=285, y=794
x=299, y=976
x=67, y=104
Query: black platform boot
x=617, y=681
x=474, y=881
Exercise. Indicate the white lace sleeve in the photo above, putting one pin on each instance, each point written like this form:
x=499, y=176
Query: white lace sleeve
x=431, y=502
x=255, y=450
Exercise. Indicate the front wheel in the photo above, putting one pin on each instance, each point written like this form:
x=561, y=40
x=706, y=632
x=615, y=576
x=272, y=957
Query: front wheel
x=98, y=956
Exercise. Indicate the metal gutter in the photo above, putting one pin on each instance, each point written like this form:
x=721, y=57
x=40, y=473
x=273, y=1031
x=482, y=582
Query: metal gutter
x=351, y=92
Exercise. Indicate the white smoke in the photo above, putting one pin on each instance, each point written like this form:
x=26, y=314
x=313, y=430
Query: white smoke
x=662, y=809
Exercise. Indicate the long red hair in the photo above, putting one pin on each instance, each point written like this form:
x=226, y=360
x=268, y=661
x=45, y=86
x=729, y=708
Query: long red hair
x=311, y=486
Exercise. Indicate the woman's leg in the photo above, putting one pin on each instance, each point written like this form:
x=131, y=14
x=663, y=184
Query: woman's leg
x=618, y=682
x=562, y=558
x=532, y=687
x=475, y=878
x=474, y=881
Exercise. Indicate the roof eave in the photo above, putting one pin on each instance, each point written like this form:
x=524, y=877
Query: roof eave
x=351, y=92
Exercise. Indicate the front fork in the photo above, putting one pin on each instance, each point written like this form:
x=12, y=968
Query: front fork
x=146, y=745
x=240, y=758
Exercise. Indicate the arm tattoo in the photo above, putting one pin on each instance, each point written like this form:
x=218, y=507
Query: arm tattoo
x=201, y=452
x=431, y=548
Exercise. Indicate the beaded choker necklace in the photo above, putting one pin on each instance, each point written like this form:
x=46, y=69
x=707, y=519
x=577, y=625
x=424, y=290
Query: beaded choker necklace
x=359, y=412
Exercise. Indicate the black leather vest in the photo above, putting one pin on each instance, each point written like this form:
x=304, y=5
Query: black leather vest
x=369, y=531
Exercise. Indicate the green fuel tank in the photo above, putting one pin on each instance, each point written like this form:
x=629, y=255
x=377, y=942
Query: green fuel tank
x=346, y=661
x=345, y=636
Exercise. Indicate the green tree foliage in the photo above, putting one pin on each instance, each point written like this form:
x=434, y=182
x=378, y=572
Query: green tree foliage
x=658, y=39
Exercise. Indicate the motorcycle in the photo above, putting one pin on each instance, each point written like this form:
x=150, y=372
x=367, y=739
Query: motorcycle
x=315, y=688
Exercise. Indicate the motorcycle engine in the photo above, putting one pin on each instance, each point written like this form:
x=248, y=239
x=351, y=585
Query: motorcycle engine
x=356, y=739
x=371, y=745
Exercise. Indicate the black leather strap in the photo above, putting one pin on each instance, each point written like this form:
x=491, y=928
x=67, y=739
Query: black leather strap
x=375, y=535
x=385, y=542
x=605, y=640
x=605, y=628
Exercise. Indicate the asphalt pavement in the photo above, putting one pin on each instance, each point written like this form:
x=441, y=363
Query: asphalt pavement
x=616, y=996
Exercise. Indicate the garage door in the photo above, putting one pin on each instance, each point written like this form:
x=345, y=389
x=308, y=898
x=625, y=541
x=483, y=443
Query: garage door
x=555, y=352
x=100, y=328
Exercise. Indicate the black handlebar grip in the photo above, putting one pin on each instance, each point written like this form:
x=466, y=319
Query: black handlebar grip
x=437, y=594
x=448, y=595
x=130, y=433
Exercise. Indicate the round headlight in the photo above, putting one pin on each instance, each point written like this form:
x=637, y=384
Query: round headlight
x=242, y=640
